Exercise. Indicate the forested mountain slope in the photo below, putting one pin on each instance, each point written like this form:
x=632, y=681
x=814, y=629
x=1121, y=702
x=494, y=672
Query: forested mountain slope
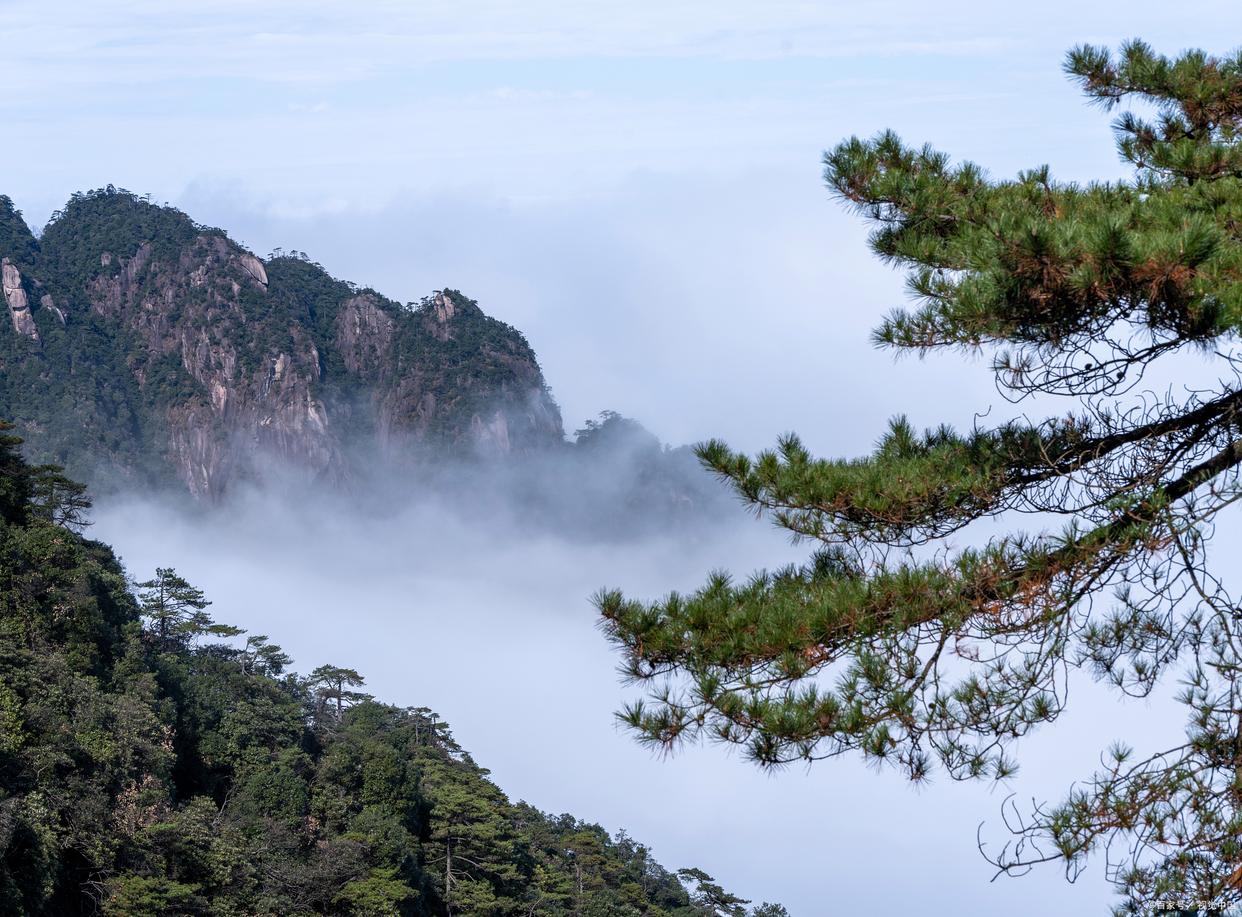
x=148, y=768
x=141, y=348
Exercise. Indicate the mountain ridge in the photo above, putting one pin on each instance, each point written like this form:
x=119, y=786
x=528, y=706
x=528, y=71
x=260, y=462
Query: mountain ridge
x=147, y=349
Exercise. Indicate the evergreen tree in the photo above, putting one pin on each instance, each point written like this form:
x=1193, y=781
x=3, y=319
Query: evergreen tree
x=710, y=896
x=897, y=643
x=770, y=910
x=58, y=498
x=471, y=842
x=263, y=657
x=334, y=686
x=174, y=609
x=15, y=484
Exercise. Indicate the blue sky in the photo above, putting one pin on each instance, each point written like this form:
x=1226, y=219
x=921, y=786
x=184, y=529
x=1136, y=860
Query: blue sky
x=636, y=186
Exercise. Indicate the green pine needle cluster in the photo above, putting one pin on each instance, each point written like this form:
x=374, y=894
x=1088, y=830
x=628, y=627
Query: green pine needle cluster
x=895, y=641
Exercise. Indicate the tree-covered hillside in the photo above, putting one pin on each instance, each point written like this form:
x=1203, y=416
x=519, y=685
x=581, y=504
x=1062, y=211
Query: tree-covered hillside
x=147, y=768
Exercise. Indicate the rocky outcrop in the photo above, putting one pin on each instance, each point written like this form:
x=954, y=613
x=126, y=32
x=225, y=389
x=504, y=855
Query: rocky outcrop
x=497, y=407
x=48, y=303
x=492, y=435
x=107, y=292
x=15, y=297
x=364, y=335
x=254, y=268
x=442, y=310
x=223, y=367
x=254, y=404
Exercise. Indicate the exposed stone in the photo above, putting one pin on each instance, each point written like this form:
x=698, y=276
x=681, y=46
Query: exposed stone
x=254, y=267
x=444, y=307
x=262, y=398
x=219, y=396
x=491, y=437
x=48, y=303
x=363, y=335
x=109, y=293
x=15, y=297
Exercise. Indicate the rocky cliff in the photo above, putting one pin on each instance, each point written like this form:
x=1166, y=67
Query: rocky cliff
x=143, y=347
x=15, y=298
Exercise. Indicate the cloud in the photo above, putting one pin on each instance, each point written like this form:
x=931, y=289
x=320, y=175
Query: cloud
x=277, y=39
x=320, y=42
x=486, y=619
x=324, y=106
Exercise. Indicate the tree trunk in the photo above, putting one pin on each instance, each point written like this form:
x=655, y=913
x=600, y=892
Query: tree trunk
x=578, y=874
x=448, y=875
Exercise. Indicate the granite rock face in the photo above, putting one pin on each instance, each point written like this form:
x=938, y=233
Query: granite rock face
x=18, y=303
x=215, y=367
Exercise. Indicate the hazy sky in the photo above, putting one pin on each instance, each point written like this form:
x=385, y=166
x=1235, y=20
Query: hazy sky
x=635, y=186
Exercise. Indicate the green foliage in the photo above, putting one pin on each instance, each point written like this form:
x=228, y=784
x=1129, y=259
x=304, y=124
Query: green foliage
x=17, y=242
x=58, y=498
x=471, y=364
x=143, y=896
x=770, y=910
x=16, y=485
x=312, y=296
x=380, y=894
x=895, y=643
x=113, y=221
x=144, y=771
x=333, y=686
x=174, y=609
x=710, y=896
x=75, y=395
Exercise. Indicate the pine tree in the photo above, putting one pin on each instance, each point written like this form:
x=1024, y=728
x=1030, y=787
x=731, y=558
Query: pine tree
x=471, y=844
x=334, y=686
x=770, y=910
x=58, y=498
x=174, y=609
x=262, y=657
x=897, y=642
x=710, y=896
x=147, y=775
x=16, y=490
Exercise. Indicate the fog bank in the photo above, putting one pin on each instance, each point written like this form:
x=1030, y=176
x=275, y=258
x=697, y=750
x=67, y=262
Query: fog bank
x=488, y=621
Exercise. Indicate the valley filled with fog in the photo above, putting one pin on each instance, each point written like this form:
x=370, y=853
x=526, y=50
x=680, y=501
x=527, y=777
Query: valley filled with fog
x=488, y=621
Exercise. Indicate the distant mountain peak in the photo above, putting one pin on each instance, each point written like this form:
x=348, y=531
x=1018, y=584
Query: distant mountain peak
x=169, y=352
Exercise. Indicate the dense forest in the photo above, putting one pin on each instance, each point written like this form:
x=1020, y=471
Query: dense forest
x=156, y=762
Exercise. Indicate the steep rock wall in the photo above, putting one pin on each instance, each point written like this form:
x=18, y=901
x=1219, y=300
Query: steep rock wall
x=184, y=351
x=15, y=298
